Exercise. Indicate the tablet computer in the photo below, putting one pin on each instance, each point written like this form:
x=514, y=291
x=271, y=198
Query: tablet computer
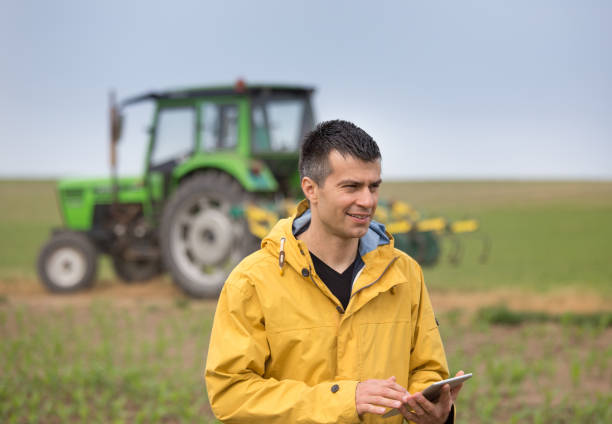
x=432, y=393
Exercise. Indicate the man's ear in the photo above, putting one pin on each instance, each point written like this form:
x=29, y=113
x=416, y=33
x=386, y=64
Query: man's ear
x=310, y=189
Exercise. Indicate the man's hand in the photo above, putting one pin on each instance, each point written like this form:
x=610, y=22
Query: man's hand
x=425, y=412
x=373, y=395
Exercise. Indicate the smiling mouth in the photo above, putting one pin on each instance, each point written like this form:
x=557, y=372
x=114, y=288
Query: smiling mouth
x=359, y=216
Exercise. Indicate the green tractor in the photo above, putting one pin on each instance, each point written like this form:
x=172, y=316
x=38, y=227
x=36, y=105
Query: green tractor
x=210, y=151
x=220, y=165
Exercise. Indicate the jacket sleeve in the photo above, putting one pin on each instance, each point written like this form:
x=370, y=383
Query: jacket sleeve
x=427, y=359
x=237, y=388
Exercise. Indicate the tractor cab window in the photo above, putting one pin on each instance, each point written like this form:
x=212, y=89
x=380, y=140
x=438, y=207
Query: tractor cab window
x=219, y=129
x=279, y=124
x=174, y=136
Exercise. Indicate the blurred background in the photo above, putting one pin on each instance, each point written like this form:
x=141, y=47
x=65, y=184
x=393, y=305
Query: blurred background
x=489, y=110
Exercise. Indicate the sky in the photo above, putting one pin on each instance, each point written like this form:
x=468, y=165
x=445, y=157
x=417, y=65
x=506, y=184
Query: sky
x=450, y=90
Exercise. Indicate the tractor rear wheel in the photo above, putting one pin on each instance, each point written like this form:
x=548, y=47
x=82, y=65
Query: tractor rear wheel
x=202, y=237
x=67, y=262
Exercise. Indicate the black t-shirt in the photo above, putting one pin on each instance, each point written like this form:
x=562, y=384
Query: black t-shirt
x=339, y=284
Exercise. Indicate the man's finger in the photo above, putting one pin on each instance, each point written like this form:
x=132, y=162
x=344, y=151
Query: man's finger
x=411, y=416
x=382, y=387
x=372, y=409
x=425, y=404
x=383, y=401
x=445, y=396
x=391, y=383
x=414, y=405
x=390, y=392
x=455, y=390
x=374, y=396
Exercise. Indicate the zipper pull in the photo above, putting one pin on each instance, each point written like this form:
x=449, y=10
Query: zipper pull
x=281, y=256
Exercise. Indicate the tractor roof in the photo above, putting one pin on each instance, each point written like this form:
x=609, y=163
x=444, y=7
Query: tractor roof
x=240, y=88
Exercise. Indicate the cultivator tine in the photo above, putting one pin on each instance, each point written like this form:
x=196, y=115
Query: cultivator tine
x=486, y=249
x=422, y=247
x=455, y=254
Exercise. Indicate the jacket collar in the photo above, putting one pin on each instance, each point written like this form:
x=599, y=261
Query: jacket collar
x=375, y=247
x=376, y=235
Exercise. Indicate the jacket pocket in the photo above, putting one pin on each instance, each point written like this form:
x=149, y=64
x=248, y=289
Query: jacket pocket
x=306, y=354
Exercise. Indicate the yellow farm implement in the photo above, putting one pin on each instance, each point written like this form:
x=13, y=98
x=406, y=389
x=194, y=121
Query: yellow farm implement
x=418, y=237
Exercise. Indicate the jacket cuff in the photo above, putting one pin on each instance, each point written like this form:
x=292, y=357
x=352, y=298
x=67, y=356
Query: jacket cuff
x=451, y=415
x=343, y=393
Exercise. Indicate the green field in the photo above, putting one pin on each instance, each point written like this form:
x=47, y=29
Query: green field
x=136, y=354
x=106, y=363
x=544, y=235
x=29, y=210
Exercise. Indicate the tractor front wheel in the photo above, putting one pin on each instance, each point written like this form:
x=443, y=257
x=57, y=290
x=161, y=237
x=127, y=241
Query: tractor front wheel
x=202, y=236
x=67, y=262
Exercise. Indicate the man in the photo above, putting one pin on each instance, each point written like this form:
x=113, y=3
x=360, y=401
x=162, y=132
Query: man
x=328, y=323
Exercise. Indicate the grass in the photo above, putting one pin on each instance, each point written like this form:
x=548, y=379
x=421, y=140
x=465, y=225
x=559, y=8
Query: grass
x=103, y=364
x=542, y=372
x=540, y=248
x=501, y=315
x=544, y=236
x=106, y=363
x=29, y=211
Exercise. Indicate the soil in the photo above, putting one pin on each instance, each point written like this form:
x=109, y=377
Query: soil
x=161, y=291
x=557, y=302
x=156, y=292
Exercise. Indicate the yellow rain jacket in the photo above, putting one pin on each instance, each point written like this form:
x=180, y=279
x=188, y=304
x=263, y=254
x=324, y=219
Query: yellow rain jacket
x=282, y=349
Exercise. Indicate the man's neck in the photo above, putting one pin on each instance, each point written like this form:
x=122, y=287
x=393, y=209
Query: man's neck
x=337, y=253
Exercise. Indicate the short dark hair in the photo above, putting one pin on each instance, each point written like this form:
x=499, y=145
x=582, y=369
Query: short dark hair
x=344, y=137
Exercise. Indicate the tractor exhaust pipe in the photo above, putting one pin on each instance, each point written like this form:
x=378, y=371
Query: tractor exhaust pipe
x=115, y=133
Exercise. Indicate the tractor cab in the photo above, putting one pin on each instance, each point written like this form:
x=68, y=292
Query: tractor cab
x=253, y=133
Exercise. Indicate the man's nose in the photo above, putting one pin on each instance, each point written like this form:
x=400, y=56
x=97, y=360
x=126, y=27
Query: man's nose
x=367, y=199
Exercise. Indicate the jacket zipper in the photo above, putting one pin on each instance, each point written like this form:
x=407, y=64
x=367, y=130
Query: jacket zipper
x=317, y=286
x=364, y=287
x=379, y=277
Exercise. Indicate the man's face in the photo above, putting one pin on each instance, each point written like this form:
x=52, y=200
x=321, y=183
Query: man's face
x=345, y=202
